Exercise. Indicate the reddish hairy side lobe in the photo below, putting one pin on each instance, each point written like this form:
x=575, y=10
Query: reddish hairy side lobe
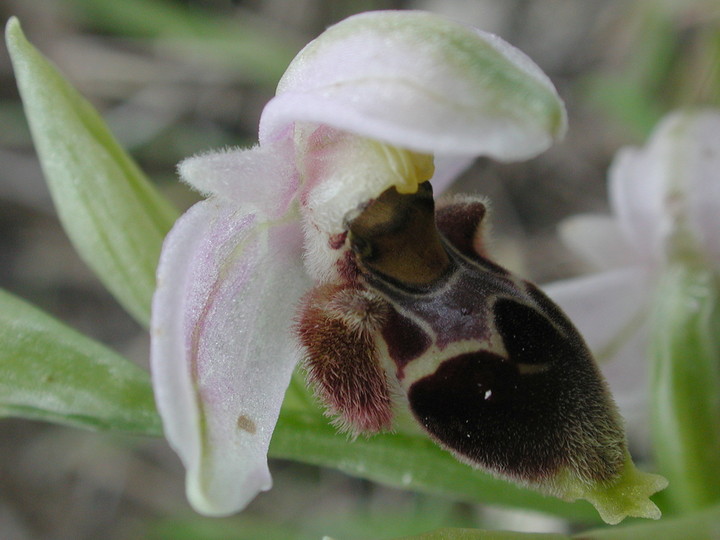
x=336, y=327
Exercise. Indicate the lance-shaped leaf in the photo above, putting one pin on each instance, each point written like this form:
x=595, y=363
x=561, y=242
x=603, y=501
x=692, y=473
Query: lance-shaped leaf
x=50, y=372
x=113, y=215
x=407, y=461
x=696, y=525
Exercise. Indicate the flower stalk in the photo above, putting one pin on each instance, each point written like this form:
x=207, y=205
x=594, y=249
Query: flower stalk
x=685, y=384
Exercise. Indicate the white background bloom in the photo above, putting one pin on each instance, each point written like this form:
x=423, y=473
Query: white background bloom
x=665, y=199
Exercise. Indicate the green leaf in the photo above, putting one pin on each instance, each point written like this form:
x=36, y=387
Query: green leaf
x=406, y=461
x=222, y=529
x=476, y=534
x=698, y=525
x=685, y=384
x=50, y=372
x=355, y=520
x=113, y=215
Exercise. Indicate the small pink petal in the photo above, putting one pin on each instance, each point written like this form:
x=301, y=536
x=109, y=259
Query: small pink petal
x=222, y=352
x=263, y=175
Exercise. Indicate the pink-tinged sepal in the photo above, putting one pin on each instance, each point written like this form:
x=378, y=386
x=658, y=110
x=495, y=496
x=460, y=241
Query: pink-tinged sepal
x=222, y=353
x=337, y=327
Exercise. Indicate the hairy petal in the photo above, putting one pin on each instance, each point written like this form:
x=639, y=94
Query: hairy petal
x=419, y=81
x=222, y=353
x=337, y=327
x=264, y=176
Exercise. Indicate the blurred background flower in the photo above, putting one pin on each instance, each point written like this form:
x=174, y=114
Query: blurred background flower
x=665, y=202
x=175, y=77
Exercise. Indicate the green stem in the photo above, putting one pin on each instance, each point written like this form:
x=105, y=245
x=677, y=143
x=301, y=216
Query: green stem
x=685, y=379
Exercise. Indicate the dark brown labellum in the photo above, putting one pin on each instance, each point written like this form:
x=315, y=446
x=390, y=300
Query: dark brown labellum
x=491, y=368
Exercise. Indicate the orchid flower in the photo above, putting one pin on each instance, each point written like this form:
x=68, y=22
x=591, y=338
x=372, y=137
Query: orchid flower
x=322, y=245
x=653, y=308
x=675, y=177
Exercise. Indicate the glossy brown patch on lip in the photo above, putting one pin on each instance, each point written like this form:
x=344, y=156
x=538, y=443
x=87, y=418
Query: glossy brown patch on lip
x=405, y=340
x=395, y=235
x=541, y=408
x=477, y=405
x=580, y=409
